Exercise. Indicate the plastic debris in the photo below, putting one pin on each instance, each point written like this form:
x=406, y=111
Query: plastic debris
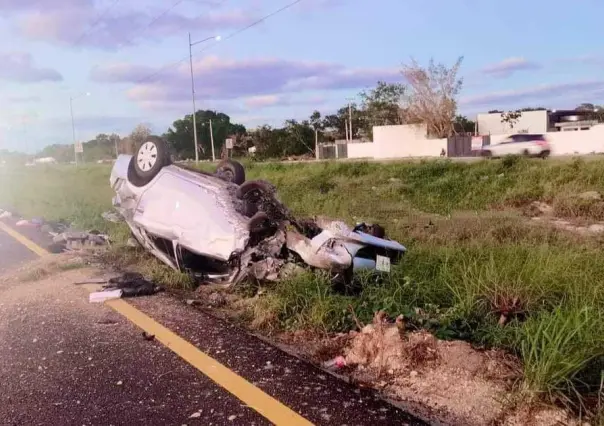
x=333, y=364
x=133, y=284
x=102, y=296
x=76, y=240
x=112, y=217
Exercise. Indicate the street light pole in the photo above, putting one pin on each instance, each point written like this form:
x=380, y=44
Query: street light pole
x=191, y=44
x=75, y=150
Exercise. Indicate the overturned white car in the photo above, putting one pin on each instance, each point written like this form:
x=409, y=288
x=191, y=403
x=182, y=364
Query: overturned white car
x=224, y=229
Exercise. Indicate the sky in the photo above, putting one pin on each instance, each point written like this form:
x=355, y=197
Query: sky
x=125, y=62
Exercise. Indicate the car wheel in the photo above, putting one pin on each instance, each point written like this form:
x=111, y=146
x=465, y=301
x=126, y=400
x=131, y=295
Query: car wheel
x=545, y=154
x=231, y=171
x=526, y=153
x=148, y=160
x=253, y=191
x=258, y=222
x=486, y=153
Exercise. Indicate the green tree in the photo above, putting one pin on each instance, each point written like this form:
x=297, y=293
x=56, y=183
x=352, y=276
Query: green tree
x=464, y=125
x=335, y=124
x=382, y=105
x=181, y=139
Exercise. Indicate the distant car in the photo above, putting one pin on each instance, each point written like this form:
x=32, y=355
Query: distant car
x=526, y=144
x=223, y=228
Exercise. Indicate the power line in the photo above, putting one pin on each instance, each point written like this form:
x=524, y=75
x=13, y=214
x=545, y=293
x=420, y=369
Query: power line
x=100, y=17
x=157, y=18
x=230, y=36
x=154, y=20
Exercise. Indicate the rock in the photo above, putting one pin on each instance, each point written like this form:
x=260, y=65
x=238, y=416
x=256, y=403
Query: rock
x=195, y=415
x=216, y=300
x=596, y=228
x=590, y=195
x=541, y=207
x=132, y=242
x=394, y=180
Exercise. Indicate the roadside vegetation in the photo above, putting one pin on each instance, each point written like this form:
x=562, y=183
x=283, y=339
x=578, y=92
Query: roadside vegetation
x=478, y=268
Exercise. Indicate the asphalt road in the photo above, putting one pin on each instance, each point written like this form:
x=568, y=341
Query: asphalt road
x=65, y=361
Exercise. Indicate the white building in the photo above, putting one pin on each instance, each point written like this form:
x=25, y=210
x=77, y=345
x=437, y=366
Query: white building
x=528, y=122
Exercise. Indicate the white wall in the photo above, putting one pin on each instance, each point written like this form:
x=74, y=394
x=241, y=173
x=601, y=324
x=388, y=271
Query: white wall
x=361, y=150
x=405, y=141
x=529, y=121
x=577, y=142
x=410, y=141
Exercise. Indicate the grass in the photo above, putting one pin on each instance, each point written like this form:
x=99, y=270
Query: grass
x=473, y=262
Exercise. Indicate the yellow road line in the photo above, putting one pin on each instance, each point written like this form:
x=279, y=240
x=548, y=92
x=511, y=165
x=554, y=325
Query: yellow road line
x=267, y=406
x=24, y=240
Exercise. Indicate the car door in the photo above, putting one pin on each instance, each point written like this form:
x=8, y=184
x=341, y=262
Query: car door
x=501, y=148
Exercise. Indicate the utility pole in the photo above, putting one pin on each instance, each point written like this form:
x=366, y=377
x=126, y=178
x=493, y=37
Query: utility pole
x=193, y=97
x=75, y=148
x=346, y=129
x=117, y=152
x=212, y=140
x=191, y=44
x=75, y=143
x=350, y=119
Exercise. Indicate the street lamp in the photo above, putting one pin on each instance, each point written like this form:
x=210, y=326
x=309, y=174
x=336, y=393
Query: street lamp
x=71, y=99
x=191, y=44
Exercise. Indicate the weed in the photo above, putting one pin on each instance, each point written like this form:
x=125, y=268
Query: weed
x=489, y=277
x=556, y=346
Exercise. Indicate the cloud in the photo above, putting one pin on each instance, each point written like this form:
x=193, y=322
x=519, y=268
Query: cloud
x=509, y=66
x=267, y=101
x=19, y=67
x=23, y=99
x=75, y=22
x=565, y=92
x=222, y=79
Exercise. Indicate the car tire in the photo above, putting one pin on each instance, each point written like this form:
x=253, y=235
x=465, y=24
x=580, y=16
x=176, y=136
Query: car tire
x=487, y=154
x=544, y=154
x=258, y=222
x=150, y=157
x=253, y=190
x=231, y=171
x=526, y=153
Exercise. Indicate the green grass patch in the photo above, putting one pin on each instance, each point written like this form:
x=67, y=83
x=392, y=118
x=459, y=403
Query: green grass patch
x=472, y=263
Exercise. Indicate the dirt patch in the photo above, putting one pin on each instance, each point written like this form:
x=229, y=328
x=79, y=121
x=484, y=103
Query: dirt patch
x=442, y=382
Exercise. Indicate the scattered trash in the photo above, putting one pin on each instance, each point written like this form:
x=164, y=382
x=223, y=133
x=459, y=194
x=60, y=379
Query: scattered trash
x=77, y=240
x=216, y=300
x=333, y=364
x=24, y=222
x=37, y=221
x=5, y=214
x=132, y=242
x=148, y=336
x=102, y=296
x=112, y=217
x=133, y=284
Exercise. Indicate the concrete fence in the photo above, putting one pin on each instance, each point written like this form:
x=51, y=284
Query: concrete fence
x=411, y=141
